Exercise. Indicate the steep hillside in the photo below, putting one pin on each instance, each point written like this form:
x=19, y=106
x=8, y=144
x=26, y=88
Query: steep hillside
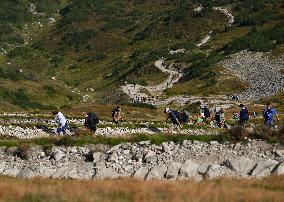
x=96, y=46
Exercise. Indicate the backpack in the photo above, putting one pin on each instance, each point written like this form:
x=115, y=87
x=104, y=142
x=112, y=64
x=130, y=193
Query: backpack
x=268, y=114
x=177, y=114
x=244, y=114
x=92, y=118
x=218, y=117
x=206, y=112
x=184, y=116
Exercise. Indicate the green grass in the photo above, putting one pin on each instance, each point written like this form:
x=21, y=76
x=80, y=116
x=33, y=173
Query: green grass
x=87, y=138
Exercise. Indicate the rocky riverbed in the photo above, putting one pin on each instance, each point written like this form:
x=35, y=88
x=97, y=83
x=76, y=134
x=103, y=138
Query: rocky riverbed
x=143, y=160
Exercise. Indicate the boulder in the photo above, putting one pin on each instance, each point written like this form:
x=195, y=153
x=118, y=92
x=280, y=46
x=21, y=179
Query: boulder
x=279, y=169
x=189, y=169
x=241, y=165
x=264, y=168
x=150, y=157
x=113, y=157
x=97, y=156
x=104, y=172
x=215, y=171
x=12, y=151
x=203, y=168
x=141, y=173
x=26, y=173
x=58, y=155
x=157, y=172
x=173, y=170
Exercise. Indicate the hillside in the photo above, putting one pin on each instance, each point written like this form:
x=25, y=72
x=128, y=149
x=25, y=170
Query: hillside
x=93, y=47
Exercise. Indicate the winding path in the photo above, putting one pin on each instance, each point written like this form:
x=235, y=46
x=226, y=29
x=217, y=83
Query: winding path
x=154, y=94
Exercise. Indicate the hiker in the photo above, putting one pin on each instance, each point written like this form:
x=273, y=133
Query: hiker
x=201, y=110
x=91, y=121
x=184, y=117
x=116, y=115
x=61, y=121
x=244, y=114
x=220, y=118
x=268, y=114
x=207, y=114
x=235, y=116
x=174, y=116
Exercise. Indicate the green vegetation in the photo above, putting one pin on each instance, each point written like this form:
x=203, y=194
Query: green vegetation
x=102, y=44
x=84, y=138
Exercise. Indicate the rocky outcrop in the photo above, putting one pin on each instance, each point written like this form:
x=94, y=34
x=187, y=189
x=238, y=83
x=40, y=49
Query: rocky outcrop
x=261, y=72
x=143, y=160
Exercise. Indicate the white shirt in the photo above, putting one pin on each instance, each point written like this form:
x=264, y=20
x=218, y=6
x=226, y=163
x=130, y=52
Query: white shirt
x=60, y=119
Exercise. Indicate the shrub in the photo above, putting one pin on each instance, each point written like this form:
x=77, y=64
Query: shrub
x=50, y=91
x=238, y=133
x=23, y=151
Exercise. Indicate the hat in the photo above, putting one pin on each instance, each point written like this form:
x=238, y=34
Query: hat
x=241, y=105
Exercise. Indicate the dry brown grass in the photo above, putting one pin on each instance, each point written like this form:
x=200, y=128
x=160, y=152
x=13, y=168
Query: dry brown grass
x=267, y=189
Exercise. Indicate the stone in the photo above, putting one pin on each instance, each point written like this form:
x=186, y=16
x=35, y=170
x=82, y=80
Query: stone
x=264, y=168
x=189, y=169
x=141, y=173
x=12, y=151
x=85, y=170
x=2, y=166
x=97, y=156
x=173, y=170
x=157, y=172
x=113, y=149
x=113, y=157
x=58, y=155
x=203, y=168
x=26, y=173
x=104, y=172
x=150, y=157
x=241, y=165
x=279, y=169
x=165, y=147
x=215, y=171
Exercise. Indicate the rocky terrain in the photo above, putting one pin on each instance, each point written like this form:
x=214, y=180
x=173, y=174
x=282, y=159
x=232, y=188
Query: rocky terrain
x=186, y=160
x=261, y=72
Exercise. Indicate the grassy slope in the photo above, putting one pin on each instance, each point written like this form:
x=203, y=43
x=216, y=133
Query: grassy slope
x=226, y=189
x=100, y=44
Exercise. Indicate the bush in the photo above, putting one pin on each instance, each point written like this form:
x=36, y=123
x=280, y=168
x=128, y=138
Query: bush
x=268, y=134
x=239, y=133
x=23, y=151
x=50, y=91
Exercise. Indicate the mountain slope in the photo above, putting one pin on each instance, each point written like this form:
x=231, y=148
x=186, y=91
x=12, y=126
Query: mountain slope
x=96, y=46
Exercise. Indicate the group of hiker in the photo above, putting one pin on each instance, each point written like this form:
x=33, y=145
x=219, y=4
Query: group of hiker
x=91, y=119
x=242, y=117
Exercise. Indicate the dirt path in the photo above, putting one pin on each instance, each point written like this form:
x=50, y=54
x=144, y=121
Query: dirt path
x=154, y=94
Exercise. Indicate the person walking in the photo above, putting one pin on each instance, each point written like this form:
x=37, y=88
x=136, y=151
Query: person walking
x=174, y=116
x=116, y=115
x=268, y=114
x=61, y=121
x=91, y=121
x=244, y=114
